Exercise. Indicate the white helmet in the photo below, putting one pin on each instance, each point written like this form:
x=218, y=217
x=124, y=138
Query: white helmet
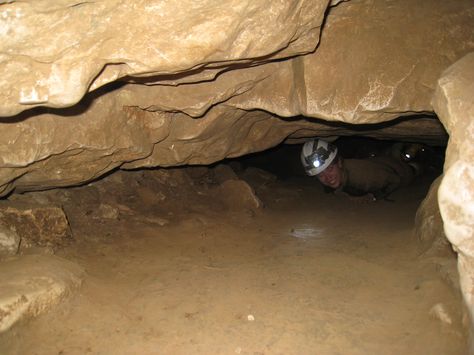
x=316, y=156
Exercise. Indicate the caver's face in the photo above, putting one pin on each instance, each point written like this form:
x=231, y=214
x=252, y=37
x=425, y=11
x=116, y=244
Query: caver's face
x=332, y=175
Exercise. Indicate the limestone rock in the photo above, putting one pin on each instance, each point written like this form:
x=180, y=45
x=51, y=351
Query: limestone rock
x=31, y=284
x=9, y=241
x=375, y=73
x=54, y=52
x=238, y=195
x=453, y=101
x=429, y=226
x=134, y=125
x=447, y=268
x=36, y=225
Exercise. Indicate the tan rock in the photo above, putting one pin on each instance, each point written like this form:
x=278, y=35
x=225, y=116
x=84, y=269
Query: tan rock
x=55, y=51
x=237, y=195
x=136, y=126
x=9, y=241
x=453, y=102
x=36, y=225
x=429, y=226
x=373, y=63
x=32, y=284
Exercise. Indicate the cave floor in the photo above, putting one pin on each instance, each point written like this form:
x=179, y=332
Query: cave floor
x=311, y=273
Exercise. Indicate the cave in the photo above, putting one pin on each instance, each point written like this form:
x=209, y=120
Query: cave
x=153, y=195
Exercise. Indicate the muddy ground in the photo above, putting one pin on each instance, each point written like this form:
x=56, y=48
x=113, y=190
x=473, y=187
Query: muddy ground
x=172, y=269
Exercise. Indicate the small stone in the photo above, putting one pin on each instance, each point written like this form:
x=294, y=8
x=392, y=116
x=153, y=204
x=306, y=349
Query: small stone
x=153, y=220
x=250, y=318
x=440, y=312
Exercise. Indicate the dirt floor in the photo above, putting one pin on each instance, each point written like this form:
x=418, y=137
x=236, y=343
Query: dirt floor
x=178, y=272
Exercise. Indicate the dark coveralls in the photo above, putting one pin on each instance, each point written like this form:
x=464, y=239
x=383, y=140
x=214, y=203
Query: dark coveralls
x=379, y=176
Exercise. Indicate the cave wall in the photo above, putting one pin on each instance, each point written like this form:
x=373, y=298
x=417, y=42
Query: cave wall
x=454, y=103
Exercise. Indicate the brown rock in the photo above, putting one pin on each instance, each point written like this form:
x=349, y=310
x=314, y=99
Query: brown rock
x=36, y=225
x=223, y=172
x=257, y=177
x=237, y=195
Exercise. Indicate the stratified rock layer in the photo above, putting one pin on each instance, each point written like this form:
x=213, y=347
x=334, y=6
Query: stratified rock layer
x=370, y=75
x=53, y=52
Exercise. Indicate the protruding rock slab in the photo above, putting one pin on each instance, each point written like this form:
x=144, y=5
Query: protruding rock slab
x=36, y=226
x=31, y=284
x=55, y=51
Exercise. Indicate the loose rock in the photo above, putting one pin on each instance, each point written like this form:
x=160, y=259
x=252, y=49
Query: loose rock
x=32, y=284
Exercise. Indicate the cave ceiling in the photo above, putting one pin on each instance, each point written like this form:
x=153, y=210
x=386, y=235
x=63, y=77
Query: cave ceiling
x=88, y=87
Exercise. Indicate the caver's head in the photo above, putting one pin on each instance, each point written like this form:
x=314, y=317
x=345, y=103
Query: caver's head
x=320, y=159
